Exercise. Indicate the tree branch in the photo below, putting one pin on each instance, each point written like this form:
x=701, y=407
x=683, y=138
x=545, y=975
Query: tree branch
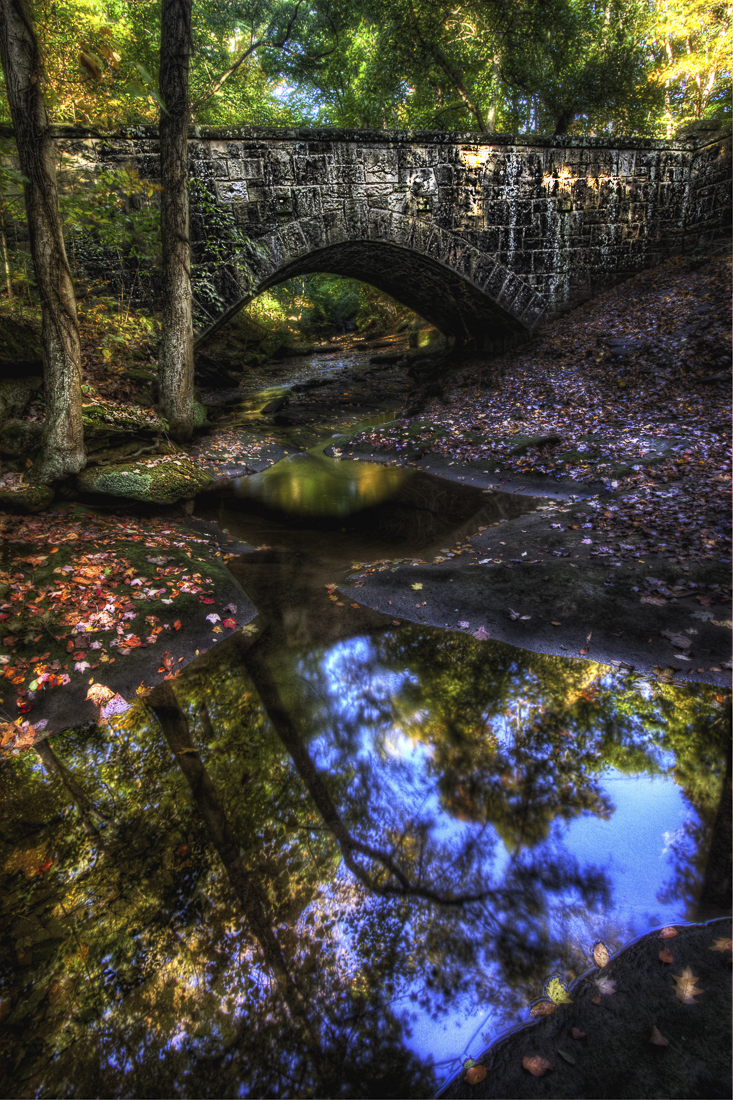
x=247, y=53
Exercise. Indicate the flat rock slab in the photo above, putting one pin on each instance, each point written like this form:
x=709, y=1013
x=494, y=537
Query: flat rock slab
x=132, y=601
x=548, y=581
x=615, y=1058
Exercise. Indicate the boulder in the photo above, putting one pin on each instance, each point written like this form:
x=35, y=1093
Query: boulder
x=23, y=496
x=15, y=394
x=217, y=373
x=157, y=481
x=21, y=368
x=20, y=437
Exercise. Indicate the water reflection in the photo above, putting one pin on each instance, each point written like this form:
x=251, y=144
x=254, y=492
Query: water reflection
x=312, y=485
x=259, y=879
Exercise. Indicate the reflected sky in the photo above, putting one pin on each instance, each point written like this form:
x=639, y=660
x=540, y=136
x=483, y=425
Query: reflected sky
x=338, y=871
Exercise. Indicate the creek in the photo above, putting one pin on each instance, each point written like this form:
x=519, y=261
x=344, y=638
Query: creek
x=355, y=847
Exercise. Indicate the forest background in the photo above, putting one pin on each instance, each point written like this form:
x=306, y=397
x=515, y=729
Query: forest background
x=637, y=67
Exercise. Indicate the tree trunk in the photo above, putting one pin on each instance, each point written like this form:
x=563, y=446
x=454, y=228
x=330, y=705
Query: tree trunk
x=175, y=361
x=87, y=810
x=251, y=897
x=63, y=435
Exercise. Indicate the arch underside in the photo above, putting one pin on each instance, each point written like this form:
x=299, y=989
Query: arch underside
x=439, y=294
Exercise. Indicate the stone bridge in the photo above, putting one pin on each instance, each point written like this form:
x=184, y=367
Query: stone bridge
x=486, y=236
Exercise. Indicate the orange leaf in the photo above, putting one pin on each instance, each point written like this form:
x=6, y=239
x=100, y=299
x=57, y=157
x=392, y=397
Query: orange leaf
x=666, y=956
x=537, y=1066
x=667, y=933
x=542, y=1008
x=177, y=624
x=601, y=954
x=475, y=1074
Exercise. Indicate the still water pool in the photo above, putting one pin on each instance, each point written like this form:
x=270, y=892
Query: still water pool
x=343, y=854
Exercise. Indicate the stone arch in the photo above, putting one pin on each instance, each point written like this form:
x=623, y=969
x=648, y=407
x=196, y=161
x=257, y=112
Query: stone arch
x=466, y=293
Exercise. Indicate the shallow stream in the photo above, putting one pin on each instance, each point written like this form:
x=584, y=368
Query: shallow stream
x=354, y=849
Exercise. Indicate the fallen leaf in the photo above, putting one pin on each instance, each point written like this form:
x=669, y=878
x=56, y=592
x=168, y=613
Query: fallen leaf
x=464, y=625
x=583, y=651
x=542, y=1008
x=666, y=956
x=657, y=1038
x=230, y=624
x=567, y=1057
x=99, y=694
x=557, y=991
x=554, y=623
x=679, y=641
x=475, y=1074
x=686, y=986
x=417, y=587
x=177, y=624
x=589, y=637
x=184, y=751
x=597, y=999
x=481, y=634
x=577, y=1033
x=721, y=944
x=601, y=954
x=607, y=986
x=537, y=1066
x=667, y=933
x=213, y=618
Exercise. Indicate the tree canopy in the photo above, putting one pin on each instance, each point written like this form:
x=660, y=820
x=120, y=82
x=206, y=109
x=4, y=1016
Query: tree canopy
x=622, y=66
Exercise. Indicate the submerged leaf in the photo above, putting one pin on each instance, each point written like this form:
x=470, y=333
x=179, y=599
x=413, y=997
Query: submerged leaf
x=721, y=944
x=607, y=986
x=601, y=954
x=686, y=986
x=657, y=1038
x=542, y=1008
x=537, y=1066
x=667, y=933
x=557, y=991
x=475, y=1074
x=578, y=1034
x=567, y=1057
x=666, y=956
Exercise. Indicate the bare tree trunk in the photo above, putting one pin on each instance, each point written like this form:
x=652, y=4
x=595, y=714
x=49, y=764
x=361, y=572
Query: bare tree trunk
x=251, y=897
x=175, y=361
x=397, y=882
x=87, y=810
x=6, y=262
x=63, y=435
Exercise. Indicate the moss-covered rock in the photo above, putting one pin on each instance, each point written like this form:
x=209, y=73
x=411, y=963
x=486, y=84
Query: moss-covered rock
x=20, y=338
x=20, y=437
x=15, y=393
x=199, y=414
x=159, y=481
x=26, y=497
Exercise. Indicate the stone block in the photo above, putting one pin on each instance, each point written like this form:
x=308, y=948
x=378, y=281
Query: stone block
x=232, y=192
x=278, y=167
x=307, y=202
x=347, y=173
x=312, y=170
x=380, y=164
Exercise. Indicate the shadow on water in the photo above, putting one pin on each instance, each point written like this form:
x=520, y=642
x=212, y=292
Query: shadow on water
x=331, y=851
